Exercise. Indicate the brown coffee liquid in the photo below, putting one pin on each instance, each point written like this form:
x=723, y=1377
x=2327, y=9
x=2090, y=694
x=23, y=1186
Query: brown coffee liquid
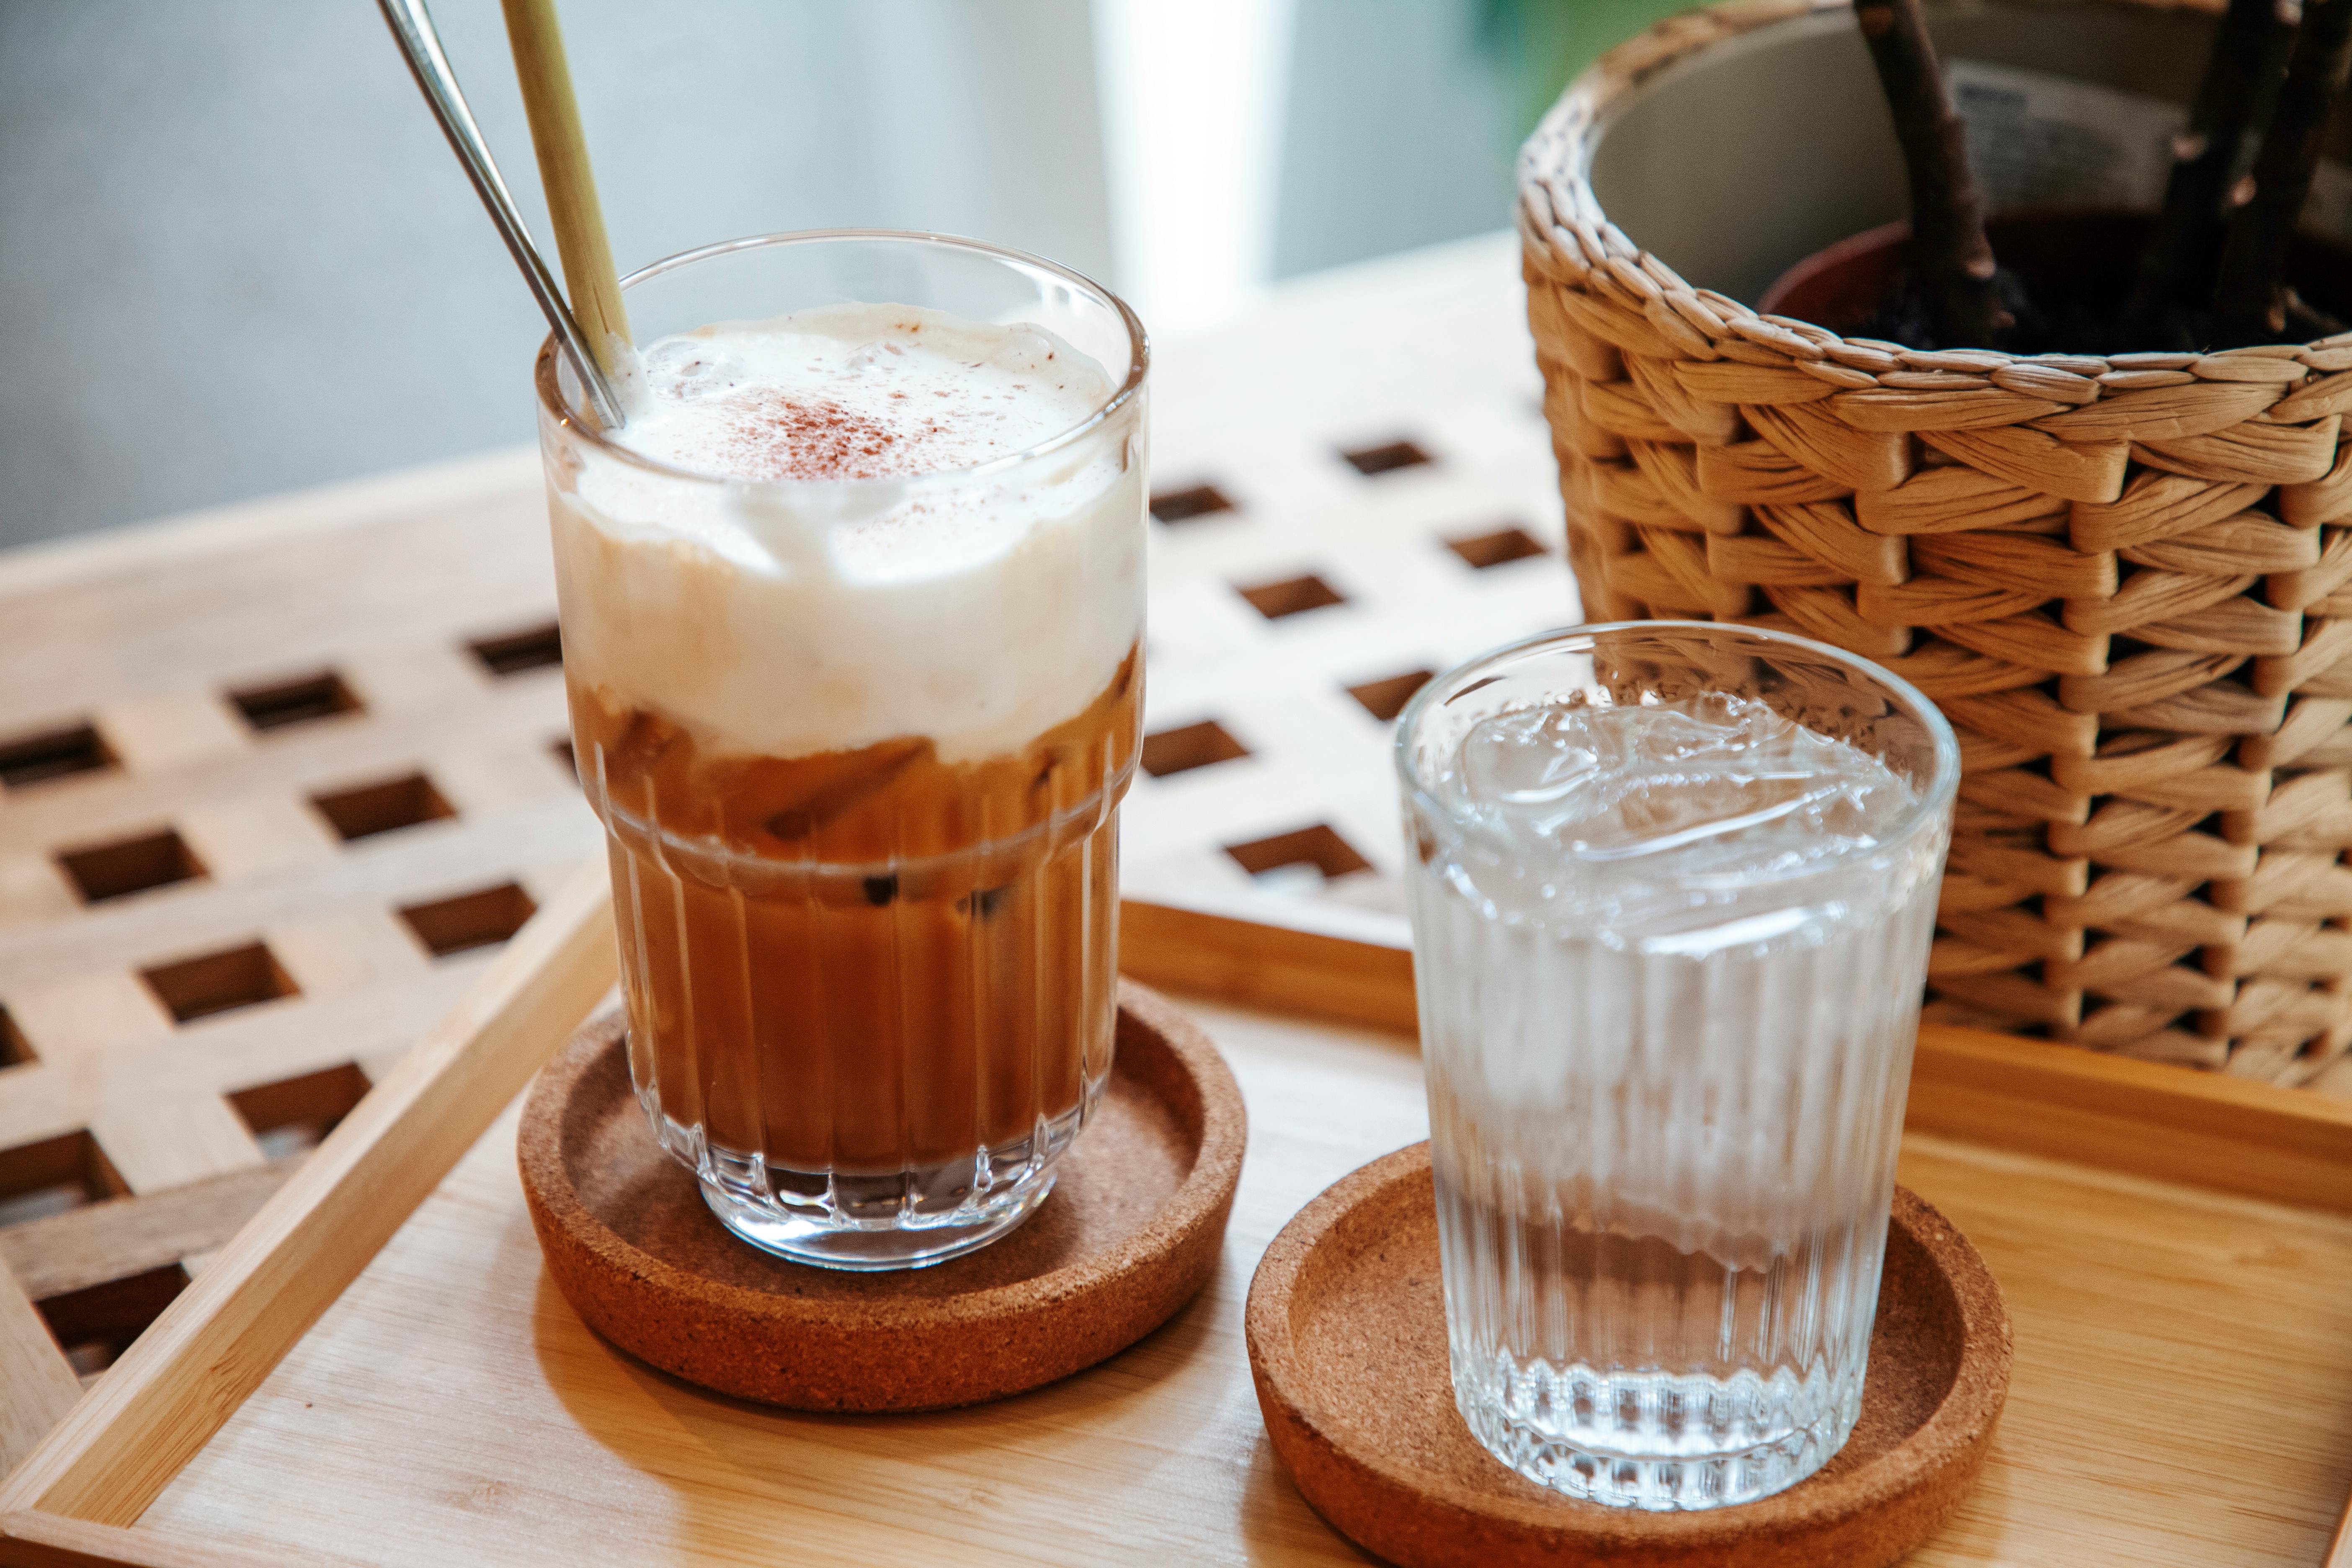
x=865, y=962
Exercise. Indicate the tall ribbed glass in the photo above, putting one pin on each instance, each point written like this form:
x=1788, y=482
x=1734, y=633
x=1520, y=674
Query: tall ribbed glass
x=859, y=732
x=1672, y=894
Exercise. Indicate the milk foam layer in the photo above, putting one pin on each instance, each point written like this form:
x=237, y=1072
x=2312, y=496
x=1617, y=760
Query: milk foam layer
x=875, y=591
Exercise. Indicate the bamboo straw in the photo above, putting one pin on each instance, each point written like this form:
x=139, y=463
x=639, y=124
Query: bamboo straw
x=555, y=135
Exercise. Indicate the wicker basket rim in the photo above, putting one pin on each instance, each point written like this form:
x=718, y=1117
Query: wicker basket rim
x=1567, y=236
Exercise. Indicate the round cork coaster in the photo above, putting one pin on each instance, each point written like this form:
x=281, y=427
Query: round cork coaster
x=1347, y=1342
x=1131, y=1232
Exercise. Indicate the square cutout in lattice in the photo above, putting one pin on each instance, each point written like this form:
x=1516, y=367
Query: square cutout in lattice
x=294, y=1115
x=128, y=866
x=1320, y=847
x=53, y=755
x=96, y=1324
x=481, y=919
x=221, y=982
x=1291, y=596
x=15, y=1050
x=1385, y=459
x=68, y=1172
x=1498, y=548
x=1192, y=746
x=516, y=652
x=385, y=806
x=1184, y=505
x=290, y=702
x=1385, y=699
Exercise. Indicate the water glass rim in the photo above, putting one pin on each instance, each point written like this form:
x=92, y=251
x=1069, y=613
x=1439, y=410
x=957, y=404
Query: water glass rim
x=1926, y=809
x=547, y=367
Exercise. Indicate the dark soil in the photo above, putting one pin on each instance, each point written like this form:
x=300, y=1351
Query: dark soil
x=2065, y=277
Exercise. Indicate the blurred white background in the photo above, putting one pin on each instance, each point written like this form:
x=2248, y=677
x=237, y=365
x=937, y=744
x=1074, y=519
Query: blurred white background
x=236, y=258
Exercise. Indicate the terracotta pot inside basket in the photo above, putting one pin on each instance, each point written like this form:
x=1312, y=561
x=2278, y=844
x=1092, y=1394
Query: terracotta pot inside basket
x=2070, y=262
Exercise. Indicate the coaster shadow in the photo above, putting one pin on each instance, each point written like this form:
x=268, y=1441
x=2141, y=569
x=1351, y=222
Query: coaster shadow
x=607, y=1390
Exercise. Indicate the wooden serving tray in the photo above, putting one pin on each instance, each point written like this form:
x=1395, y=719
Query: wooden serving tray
x=307, y=780
x=451, y=1406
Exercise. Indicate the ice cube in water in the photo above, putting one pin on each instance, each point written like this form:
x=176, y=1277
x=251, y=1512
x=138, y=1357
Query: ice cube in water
x=1606, y=781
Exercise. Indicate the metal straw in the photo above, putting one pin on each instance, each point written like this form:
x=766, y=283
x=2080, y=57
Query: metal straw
x=412, y=24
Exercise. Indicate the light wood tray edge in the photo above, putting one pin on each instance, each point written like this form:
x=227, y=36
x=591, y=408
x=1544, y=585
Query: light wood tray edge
x=100, y=1466
x=2140, y=1117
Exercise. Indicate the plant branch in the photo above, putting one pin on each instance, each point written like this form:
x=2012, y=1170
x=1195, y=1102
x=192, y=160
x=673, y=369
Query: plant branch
x=2250, y=295
x=1950, y=257
x=2241, y=78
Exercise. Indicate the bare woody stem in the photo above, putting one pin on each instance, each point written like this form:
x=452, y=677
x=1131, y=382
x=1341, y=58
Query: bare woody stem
x=2250, y=52
x=2250, y=295
x=1949, y=254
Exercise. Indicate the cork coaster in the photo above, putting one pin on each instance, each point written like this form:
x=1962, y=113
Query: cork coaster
x=1346, y=1343
x=1132, y=1231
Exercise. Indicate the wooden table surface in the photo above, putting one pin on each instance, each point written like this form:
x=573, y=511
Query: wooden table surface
x=2183, y=1390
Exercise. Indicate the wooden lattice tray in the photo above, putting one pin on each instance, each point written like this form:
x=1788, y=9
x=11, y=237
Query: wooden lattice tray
x=277, y=785
x=273, y=782
x=271, y=786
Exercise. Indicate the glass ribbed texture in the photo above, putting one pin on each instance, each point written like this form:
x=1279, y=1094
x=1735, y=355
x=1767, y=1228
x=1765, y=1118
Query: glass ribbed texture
x=1663, y=1186
x=925, y=1035
x=1663, y=1163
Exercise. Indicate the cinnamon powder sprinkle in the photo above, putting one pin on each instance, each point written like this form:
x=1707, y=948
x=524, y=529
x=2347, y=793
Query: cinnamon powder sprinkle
x=770, y=434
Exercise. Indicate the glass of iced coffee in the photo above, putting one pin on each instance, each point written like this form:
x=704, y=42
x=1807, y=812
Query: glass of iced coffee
x=851, y=614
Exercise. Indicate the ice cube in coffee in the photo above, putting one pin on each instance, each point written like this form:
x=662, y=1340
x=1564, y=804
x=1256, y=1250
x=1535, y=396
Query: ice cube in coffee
x=852, y=611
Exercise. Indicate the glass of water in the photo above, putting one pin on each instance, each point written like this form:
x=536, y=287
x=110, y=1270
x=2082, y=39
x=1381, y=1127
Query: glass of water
x=1672, y=891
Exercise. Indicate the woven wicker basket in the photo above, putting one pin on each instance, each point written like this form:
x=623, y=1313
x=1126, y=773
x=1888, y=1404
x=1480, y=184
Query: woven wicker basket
x=2128, y=580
